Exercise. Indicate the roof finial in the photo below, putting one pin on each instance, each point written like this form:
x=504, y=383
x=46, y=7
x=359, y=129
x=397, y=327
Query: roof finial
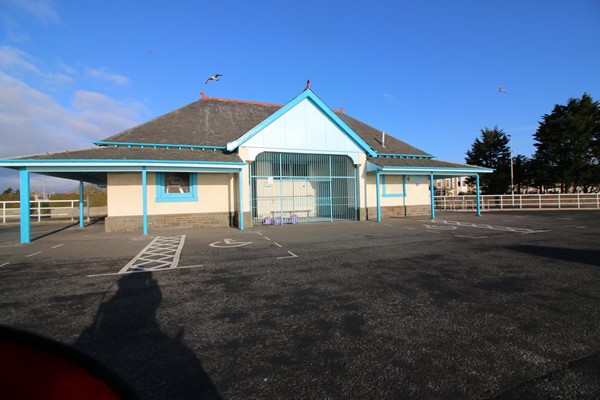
x=203, y=95
x=307, y=84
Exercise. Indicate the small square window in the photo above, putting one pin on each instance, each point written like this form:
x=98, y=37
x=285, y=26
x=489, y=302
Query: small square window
x=176, y=186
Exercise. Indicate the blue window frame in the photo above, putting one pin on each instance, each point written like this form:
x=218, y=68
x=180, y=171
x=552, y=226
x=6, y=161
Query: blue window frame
x=176, y=186
x=386, y=190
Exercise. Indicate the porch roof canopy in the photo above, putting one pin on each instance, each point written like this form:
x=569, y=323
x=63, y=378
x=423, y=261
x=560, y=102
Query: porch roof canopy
x=92, y=165
x=422, y=166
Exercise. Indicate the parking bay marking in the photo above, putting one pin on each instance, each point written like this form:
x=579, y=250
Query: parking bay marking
x=229, y=243
x=161, y=253
x=492, y=227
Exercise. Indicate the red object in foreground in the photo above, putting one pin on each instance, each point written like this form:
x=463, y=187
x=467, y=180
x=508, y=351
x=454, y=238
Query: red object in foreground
x=37, y=368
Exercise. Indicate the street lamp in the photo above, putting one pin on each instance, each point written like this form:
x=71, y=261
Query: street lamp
x=512, y=179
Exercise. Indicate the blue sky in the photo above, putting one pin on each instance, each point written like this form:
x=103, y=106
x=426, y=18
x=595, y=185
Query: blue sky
x=427, y=72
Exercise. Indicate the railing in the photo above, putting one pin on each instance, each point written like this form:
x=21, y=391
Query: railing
x=43, y=210
x=519, y=201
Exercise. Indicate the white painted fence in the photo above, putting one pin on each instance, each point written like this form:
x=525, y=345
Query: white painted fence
x=43, y=210
x=519, y=201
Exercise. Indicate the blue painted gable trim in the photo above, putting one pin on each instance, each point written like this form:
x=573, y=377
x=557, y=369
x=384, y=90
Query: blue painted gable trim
x=310, y=95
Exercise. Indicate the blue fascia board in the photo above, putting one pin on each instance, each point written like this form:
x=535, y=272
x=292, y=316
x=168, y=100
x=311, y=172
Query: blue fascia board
x=44, y=166
x=310, y=95
x=157, y=145
x=61, y=162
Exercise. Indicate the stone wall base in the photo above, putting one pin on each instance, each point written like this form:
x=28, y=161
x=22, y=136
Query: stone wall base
x=398, y=212
x=133, y=223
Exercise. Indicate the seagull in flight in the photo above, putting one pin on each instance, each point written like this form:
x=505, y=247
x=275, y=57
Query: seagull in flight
x=501, y=89
x=213, y=78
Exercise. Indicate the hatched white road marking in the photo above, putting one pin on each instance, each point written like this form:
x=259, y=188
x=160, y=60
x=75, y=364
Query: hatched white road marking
x=161, y=253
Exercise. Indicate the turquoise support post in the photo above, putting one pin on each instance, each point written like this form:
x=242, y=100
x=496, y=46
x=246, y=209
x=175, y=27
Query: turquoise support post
x=478, y=195
x=144, y=201
x=241, y=183
x=81, y=203
x=378, y=196
x=25, y=206
x=432, y=193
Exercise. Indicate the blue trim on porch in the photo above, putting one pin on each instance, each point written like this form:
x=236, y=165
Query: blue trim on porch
x=81, y=224
x=432, y=194
x=144, y=201
x=378, y=197
x=25, y=206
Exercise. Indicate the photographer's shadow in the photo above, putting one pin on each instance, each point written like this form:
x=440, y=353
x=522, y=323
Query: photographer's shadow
x=126, y=337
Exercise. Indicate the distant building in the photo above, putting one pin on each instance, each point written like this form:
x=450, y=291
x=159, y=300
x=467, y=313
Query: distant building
x=453, y=186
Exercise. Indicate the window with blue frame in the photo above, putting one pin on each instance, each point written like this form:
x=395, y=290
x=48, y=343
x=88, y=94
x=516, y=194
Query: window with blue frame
x=394, y=185
x=176, y=186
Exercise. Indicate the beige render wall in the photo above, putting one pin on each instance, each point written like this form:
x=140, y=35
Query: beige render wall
x=217, y=193
x=417, y=191
x=124, y=193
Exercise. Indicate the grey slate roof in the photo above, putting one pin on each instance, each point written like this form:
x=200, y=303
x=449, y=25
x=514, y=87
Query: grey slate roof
x=205, y=122
x=215, y=122
x=137, y=153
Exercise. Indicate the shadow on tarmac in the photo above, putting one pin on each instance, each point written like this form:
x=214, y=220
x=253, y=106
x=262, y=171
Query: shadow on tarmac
x=126, y=336
x=591, y=257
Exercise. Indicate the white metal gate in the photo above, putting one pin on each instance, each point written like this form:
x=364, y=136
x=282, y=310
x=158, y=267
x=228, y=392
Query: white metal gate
x=293, y=188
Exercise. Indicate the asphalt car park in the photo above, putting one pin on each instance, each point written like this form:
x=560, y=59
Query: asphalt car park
x=506, y=305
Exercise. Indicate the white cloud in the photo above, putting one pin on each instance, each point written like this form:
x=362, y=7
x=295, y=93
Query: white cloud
x=44, y=10
x=393, y=99
x=22, y=64
x=104, y=74
x=13, y=59
x=34, y=122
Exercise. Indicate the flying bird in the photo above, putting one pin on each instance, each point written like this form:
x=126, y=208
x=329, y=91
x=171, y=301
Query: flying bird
x=501, y=89
x=213, y=78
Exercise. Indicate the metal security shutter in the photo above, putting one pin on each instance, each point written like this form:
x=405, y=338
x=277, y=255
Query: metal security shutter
x=293, y=188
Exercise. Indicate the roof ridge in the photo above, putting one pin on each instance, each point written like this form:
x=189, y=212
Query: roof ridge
x=242, y=101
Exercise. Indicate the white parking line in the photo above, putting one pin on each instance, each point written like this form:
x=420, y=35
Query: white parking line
x=57, y=246
x=491, y=227
x=292, y=255
x=33, y=254
x=144, y=270
x=2, y=265
x=277, y=244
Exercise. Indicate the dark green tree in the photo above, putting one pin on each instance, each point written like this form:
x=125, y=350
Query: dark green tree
x=491, y=151
x=522, y=173
x=567, y=145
